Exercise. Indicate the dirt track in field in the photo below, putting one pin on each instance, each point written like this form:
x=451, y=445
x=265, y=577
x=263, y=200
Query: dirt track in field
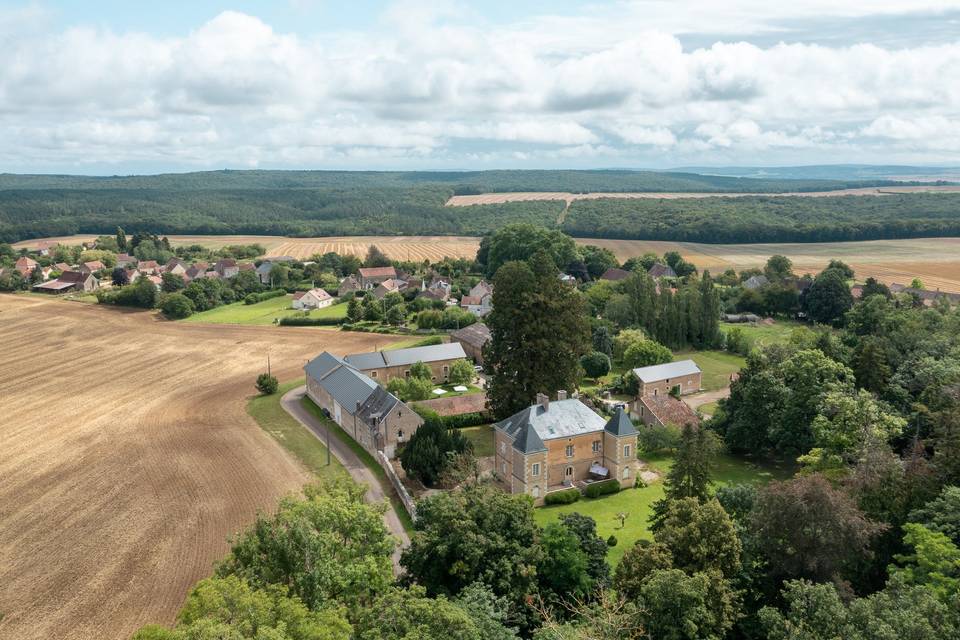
x=127, y=459
x=526, y=196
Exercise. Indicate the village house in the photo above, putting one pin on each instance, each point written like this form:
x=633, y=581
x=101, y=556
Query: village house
x=61, y=267
x=149, y=267
x=368, y=413
x=226, y=268
x=70, y=281
x=196, y=270
x=25, y=266
x=313, y=299
x=175, y=266
x=481, y=289
x=45, y=247
x=662, y=271
x=755, y=282
x=372, y=276
x=348, y=285
x=391, y=285
x=132, y=275
x=661, y=410
x=477, y=305
x=659, y=379
x=556, y=445
x=615, y=275
x=472, y=338
x=926, y=297
x=434, y=294
x=383, y=366
x=93, y=266
x=125, y=260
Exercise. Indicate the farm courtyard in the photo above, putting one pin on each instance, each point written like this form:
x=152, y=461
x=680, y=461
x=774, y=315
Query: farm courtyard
x=127, y=458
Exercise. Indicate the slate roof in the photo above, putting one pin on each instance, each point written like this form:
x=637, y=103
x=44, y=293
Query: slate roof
x=659, y=372
x=662, y=271
x=403, y=357
x=620, y=424
x=560, y=419
x=344, y=383
x=669, y=410
x=377, y=405
x=476, y=334
x=615, y=274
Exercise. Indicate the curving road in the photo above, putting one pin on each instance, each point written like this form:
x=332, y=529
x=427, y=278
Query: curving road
x=376, y=492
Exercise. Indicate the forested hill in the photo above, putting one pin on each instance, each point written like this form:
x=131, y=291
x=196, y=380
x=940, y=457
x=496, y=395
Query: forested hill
x=324, y=203
x=453, y=181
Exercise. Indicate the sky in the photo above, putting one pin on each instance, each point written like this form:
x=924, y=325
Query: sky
x=120, y=87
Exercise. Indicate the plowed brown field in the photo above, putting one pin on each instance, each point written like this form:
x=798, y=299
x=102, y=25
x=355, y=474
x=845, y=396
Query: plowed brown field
x=127, y=459
x=936, y=261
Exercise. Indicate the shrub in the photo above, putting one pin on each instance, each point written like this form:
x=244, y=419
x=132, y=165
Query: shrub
x=465, y=420
x=595, y=364
x=646, y=353
x=267, y=384
x=602, y=488
x=429, y=342
x=176, y=306
x=656, y=438
x=566, y=496
x=254, y=298
x=427, y=455
x=612, y=541
x=461, y=372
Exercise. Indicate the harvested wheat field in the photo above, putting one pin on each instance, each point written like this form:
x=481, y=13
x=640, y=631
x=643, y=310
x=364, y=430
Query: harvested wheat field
x=936, y=261
x=127, y=459
x=526, y=196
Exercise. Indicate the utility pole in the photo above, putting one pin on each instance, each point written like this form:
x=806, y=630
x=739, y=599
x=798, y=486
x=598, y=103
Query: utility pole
x=268, y=363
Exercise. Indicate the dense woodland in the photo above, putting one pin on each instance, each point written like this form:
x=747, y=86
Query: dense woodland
x=322, y=203
x=768, y=218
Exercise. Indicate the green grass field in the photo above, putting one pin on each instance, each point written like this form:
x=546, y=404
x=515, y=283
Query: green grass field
x=763, y=335
x=717, y=367
x=482, y=439
x=305, y=447
x=638, y=502
x=262, y=313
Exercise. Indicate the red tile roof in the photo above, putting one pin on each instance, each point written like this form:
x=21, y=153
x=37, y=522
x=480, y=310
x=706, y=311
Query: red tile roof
x=376, y=272
x=669, y=410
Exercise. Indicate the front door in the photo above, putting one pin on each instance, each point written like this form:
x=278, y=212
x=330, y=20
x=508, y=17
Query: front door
x=336, y=413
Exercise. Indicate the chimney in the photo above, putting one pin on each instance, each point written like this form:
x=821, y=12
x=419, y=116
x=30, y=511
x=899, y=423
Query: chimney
x=561, y=395
x=543, y=400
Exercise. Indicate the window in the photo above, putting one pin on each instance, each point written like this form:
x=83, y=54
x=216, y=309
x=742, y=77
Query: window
x=668, y=380
x=654, y=392
x=536, y=492
x=626, y=451
x=568, y=471
x=503, y=468
x=596, y=446
x=626, y=472
x=400, y=435
x=535, y=469
x=406, y=374
x=503, y=448
x=373, y=374
x=569, y=450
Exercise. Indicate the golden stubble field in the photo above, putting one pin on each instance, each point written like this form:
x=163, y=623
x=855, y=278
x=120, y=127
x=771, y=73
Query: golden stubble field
x=936, y=261
x=127, y=459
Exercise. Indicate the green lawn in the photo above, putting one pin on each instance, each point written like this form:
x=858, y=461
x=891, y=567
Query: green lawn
x=268, y=413
x=638, y=502
x=482, y=439
x=708, y=409
x=364, y=456
x=450, y=393
x=717, y=367
x=763, y=335
x=262, y=313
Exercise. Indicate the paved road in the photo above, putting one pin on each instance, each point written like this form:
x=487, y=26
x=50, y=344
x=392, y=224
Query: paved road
x=357, y=469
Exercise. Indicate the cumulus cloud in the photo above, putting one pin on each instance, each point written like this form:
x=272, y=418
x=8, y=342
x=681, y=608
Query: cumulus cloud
x=433, y=86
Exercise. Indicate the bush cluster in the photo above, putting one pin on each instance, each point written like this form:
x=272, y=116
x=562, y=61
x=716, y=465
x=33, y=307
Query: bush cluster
x=602, y=488
x=567, y=496
x=307, y=321
x=254, y=298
